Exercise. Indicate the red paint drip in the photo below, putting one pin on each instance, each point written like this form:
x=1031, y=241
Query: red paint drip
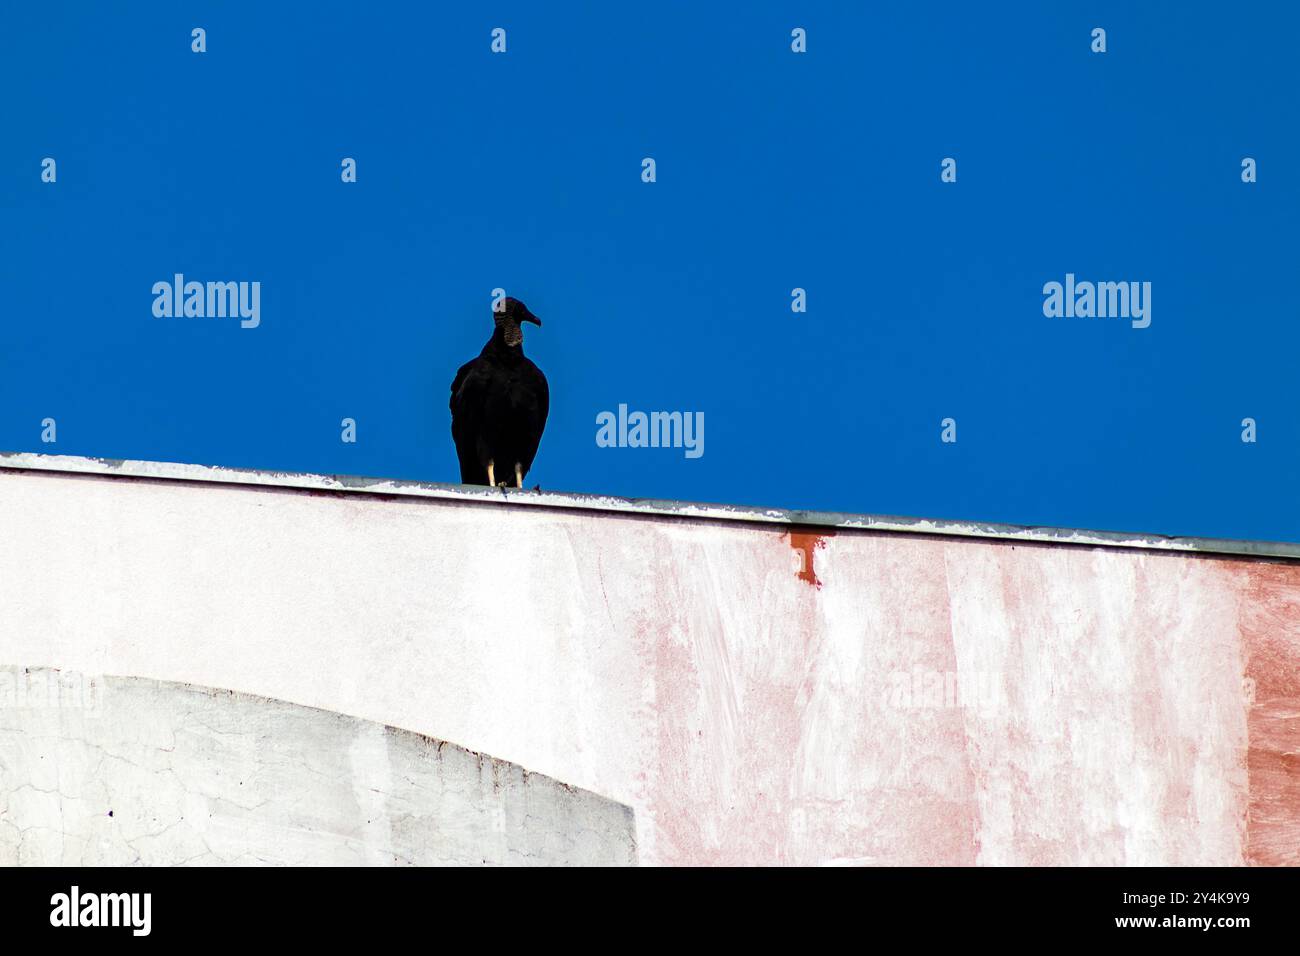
x=806, y=543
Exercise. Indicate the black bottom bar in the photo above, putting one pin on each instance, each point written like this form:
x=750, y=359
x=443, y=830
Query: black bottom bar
x=334, y=906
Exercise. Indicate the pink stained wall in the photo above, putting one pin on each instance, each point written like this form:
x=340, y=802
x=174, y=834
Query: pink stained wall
x=756, y=694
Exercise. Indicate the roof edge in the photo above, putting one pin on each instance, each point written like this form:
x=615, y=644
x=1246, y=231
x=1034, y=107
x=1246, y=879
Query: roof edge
x=304, y=481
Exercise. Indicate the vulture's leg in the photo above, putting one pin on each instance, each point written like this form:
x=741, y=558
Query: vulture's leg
x=519, y=476
x=492, y=478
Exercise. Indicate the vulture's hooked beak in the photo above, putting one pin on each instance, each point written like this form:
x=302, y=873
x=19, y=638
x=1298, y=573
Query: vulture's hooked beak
x=529, y=317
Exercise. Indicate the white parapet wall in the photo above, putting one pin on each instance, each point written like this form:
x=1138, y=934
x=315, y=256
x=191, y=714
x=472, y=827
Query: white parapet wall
x=757, y=686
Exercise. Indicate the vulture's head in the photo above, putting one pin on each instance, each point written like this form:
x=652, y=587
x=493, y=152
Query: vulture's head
x=509, y=317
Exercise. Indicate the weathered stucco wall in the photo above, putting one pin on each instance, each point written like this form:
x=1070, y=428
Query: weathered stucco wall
x=756, y=693
x=117, y=771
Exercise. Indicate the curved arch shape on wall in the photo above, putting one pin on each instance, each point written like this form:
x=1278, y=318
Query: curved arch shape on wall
x=123, y=770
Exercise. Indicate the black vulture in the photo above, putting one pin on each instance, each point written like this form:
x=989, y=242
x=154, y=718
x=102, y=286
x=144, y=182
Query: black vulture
x=499, y=403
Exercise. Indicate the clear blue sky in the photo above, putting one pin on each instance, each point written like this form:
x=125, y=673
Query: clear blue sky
x=775, y=170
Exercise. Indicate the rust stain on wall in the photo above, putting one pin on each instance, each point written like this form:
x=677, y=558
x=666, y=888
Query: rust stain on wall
x=805, y=544
x=1272, y=696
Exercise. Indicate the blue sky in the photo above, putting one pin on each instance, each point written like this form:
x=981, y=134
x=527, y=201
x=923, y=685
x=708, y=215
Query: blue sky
x=774, y=171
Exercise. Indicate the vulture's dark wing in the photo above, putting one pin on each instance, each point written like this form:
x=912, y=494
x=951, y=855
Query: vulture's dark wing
x=538, y=406
x=466, y=422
